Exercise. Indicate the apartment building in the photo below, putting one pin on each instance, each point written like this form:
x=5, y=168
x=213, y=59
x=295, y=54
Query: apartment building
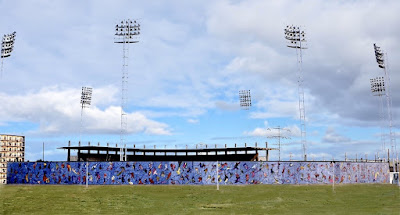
x=12, y=149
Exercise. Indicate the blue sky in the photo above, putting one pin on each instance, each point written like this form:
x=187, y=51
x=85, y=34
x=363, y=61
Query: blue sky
x=185, y=73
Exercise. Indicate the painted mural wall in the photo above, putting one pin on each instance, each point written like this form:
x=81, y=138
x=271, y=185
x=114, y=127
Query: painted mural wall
x=201, y=173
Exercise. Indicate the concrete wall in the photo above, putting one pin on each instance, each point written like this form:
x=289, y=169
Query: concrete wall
x=197, y=172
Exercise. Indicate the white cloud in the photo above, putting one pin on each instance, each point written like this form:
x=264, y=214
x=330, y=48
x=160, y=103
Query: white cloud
x=193, y=121
x=276, y=108
x=192, y=59
x=227, y=106
x=57, y=110
x=275, y=131
x=331, y=136
x=337, y=65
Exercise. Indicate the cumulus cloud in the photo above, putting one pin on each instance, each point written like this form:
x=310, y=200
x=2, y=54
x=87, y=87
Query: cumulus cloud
x=275, y=131
x=227, y=106
x=191, y=60
x=193, y=121
x=201, y=63
x=331, y=136
x=337, y=65
x=56, y=110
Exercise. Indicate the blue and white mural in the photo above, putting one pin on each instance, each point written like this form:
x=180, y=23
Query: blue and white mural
x=244, y=172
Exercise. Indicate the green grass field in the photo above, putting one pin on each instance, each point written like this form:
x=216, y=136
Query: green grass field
x=251, y=199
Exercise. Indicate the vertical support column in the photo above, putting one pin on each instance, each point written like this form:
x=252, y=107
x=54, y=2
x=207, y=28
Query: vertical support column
x=256, y=155
x=226, y=150
x=88, y=155
x=126, y=152
x=69, y=151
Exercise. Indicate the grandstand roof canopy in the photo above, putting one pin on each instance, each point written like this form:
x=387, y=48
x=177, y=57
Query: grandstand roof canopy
x=107, y=153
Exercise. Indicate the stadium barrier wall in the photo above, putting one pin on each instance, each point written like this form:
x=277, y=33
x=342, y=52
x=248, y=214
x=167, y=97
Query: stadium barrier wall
x=201, y=173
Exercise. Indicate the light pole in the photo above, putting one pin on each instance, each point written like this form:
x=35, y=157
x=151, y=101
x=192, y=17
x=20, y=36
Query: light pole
x=378, y=89
x=296, y=39
x=126, y=32
x=380, y=59
x=86, y=100
x=245, y=99
x=7, y=46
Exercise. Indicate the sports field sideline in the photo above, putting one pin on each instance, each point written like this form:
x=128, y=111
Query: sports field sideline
x=249, y=199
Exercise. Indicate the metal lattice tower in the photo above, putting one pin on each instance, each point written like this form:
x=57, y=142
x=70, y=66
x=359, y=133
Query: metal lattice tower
x=279, y=137
x=126, y=32
x=7, y=46
x=86, y=100
x=378, y=89
x=245, y=99
x=296, y=39
x=380, y=59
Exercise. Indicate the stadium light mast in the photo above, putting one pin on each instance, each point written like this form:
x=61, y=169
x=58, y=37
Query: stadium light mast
x=126, y=32
x=378, y=89
x=279, y=137
x=380, y=59
x=7, y=46
x=296, y=39
x=245, y=99
x=86, y=100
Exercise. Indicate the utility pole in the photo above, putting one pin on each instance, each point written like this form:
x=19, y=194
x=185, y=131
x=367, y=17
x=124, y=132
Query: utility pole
x=279, y=136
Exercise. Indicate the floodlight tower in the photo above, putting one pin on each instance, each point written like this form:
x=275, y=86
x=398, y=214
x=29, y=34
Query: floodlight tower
x=245, y=99
x=126, y=32
x=378, y=89
x=279, y=137
x=380, y=59
x=297, y=40
x=86, y=100
x=7, y=46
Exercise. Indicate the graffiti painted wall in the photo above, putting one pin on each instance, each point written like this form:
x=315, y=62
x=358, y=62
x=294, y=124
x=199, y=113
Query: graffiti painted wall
x=196, y=173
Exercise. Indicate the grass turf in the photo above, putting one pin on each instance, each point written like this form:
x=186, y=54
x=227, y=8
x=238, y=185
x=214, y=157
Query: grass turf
x=250, y=199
